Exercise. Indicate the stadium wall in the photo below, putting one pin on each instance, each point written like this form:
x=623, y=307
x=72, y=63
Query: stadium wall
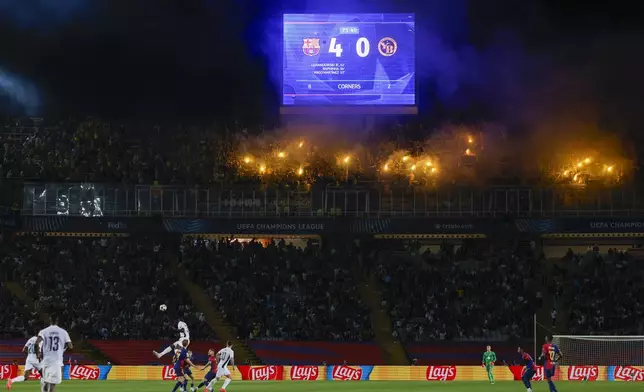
x=345, y=373
x=277, y=352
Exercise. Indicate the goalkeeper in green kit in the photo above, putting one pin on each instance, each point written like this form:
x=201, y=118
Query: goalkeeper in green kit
x=489, y=357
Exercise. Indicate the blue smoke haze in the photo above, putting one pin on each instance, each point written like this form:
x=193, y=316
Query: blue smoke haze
x=20, y=91
x=43, y=14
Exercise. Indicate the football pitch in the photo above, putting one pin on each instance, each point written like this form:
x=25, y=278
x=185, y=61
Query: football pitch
x=337, y=386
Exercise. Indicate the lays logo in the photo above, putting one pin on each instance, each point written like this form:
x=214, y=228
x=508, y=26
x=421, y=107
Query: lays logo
x=346, y=373
x=168, y=373
x=628, y=373
x=304, y=373
x=583, y=373
x=441, y=373
x=264, y=373
x=8, y=371
x=81, y=372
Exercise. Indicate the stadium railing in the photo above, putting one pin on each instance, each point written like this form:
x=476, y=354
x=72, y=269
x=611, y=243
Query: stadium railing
x=93, y=199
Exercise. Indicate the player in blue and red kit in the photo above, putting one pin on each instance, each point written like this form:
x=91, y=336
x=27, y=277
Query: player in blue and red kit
x=212, y=362
x=551, y=353
x=530, y=369
x=182, y=361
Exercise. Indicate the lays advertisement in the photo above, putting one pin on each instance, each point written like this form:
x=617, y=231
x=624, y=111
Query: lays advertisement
x=626, y=373
x=8, y=371
x=309, y=373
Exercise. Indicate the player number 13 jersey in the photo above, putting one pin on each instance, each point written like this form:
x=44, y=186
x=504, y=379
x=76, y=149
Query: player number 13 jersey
x=54, y=340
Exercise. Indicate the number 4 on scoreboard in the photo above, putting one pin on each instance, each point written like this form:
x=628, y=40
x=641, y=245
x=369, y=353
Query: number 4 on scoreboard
x=362, y=47
x=335, y=47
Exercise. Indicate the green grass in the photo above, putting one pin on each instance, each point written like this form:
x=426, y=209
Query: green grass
x=338, y=386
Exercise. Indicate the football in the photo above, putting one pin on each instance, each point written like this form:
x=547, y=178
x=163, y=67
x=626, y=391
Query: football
x=163, y=307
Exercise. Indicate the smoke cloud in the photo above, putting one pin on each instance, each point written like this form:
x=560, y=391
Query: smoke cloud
x=43, y=14
x=19, y=91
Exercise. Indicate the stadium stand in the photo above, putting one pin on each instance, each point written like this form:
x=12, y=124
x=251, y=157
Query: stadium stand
x=451, y=295
x=15, y=320
x=289, y=304
x=113, y=293
x=279, y=291
x=607, y=294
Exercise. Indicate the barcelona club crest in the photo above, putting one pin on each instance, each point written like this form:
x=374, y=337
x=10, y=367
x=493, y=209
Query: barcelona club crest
x=311, y=46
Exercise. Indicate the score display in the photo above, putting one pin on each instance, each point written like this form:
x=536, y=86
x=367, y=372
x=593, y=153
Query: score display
x=349, y=59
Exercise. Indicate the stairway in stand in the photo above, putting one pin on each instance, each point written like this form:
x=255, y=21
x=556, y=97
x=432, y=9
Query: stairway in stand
x=215, y=320
x=544, y=319
x=80, y=346
x=393, y=351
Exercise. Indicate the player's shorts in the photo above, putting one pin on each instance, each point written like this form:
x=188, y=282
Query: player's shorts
x=32, y=363
x=209, y=376
x=222, y=372
x=187, y=371
x=179, y=371
x=180, y=342
x=52, y=374
x=529, y=373
x=549, y=373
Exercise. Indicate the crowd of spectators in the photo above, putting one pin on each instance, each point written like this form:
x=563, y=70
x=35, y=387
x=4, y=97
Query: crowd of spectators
x=279, y=290
x=458, y=294
x=103, y=288
x=93, y=150
x=111, y=288
x=607, y=295
x=16, y=320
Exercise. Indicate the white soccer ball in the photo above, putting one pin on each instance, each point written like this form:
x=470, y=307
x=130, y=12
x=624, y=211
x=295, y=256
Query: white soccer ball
x=163, y=307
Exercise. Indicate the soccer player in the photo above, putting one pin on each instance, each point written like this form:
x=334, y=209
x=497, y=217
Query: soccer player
x=225, y=357
x=31, y=363
x=188, y=373
x=552, y=354
x=489, y=357
x=184, y=334
x=50, y=346
x=530, y=369
x=212, y=363
x=182, y=361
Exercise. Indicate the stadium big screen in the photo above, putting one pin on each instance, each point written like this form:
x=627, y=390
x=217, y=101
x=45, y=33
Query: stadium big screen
x=349, y=60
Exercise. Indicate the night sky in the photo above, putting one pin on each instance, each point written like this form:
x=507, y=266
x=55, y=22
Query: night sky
x=502, y=60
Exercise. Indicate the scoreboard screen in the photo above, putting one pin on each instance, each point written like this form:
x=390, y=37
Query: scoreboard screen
x=348, y=60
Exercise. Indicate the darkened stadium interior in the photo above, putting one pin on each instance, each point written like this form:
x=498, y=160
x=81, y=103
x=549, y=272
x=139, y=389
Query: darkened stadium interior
x=147, y=165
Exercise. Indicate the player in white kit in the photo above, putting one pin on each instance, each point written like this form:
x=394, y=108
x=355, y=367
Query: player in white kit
x=55, y=341
x=184, y=334
x=31, y=363
x=225, y=357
